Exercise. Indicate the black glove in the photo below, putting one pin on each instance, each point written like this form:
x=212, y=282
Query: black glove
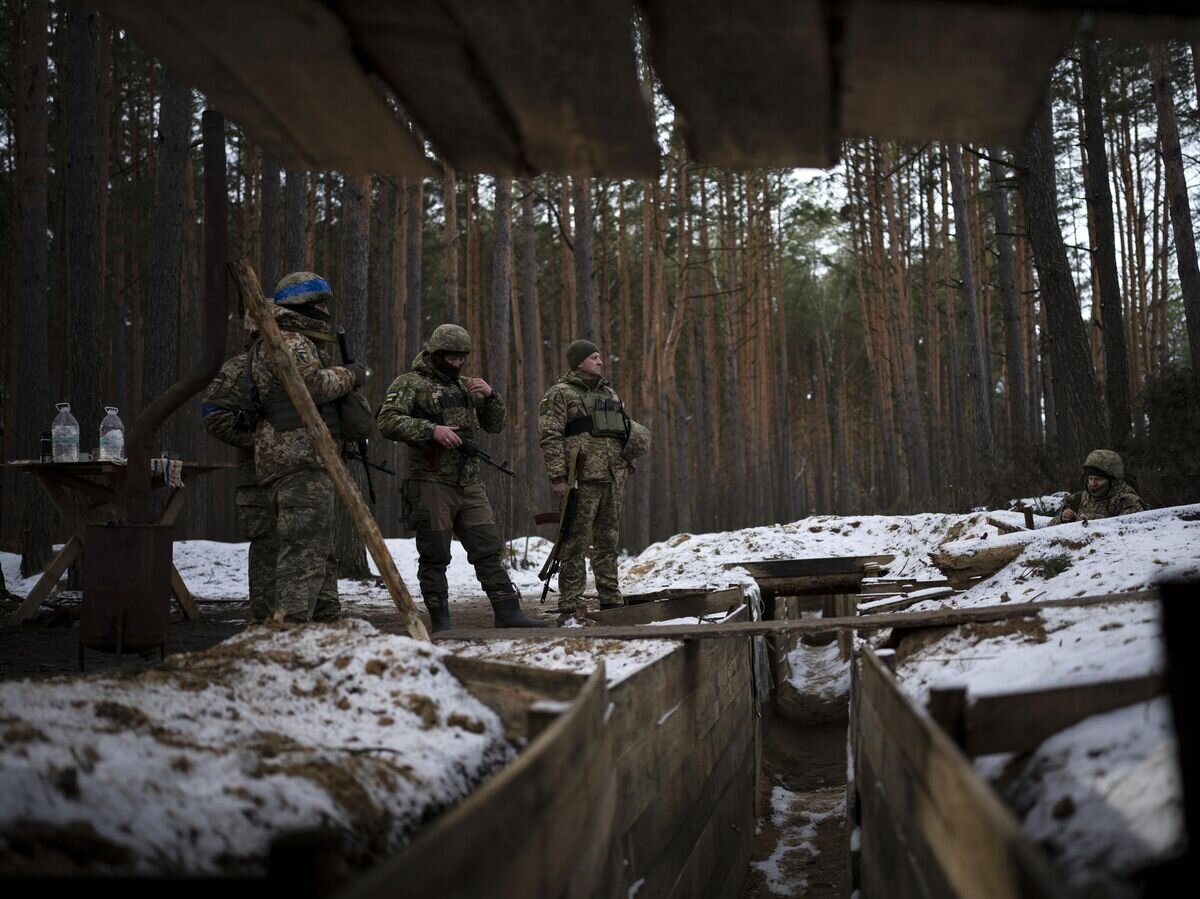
x=359, y=371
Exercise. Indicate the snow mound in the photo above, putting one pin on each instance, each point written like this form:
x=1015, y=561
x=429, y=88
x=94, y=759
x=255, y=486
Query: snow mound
x=196, y=765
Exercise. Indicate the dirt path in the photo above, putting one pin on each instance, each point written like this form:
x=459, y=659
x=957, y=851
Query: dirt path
x=800, y=848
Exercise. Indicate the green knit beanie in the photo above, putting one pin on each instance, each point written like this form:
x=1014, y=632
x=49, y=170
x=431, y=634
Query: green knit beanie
x=580, y=350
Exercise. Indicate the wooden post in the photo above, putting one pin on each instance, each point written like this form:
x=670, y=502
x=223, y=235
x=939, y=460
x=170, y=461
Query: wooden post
x=948, y=707
x=364, y=522
x=1028, y=519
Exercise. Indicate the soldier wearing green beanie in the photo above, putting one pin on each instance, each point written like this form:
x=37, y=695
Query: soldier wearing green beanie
x=582, y=414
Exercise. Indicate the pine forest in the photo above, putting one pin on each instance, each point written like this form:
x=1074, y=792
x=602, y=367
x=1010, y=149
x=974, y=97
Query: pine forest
x=920, y=328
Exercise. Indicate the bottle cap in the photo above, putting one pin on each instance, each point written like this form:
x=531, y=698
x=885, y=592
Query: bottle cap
x=63, y=407
x=111, y=410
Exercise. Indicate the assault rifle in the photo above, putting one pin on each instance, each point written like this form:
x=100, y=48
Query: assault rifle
x=352, y=455
x=566, y=522
x=472, y=451
x=360, y=445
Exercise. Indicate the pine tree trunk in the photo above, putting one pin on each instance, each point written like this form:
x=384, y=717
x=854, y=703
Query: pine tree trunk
x=981, y=422
x=1181, y=213
x=1079, y=418
x=271, y=212
x=1010, y=310
x=1116, y=362
x=535, y=476
x=350, y=308
x=166, y=249
x=83, y=223
x=33, y=401
x=585, y=316
x=453, y=311
x=294, y=223
x=414, y=230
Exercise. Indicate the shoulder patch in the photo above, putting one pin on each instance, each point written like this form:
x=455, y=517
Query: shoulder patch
x=301, y=355
x=544, y=406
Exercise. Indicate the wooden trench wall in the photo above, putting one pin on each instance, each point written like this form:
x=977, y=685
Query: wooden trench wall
x=929, y=826
x=647, y=787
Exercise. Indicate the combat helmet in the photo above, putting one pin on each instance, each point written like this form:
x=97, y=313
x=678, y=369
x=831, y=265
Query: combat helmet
x=638, y=443
x=452, y=339
x=1106, y=463
x=300, y=288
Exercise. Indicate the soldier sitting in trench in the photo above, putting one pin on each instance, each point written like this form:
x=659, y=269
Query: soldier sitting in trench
x=1106, y=493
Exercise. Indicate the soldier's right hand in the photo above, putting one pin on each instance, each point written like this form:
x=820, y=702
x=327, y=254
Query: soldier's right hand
x=1068, y=514
x=444, y=435
x=359, y=371
x=559, y=489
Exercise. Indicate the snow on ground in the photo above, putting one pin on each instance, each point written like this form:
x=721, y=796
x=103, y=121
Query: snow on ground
x=1112, y=555
x=1104, y=795
x=817, y=671
x=195, y=765
x=699, y=560
x=1063, y=647
x=621, y=658
x=784, y=870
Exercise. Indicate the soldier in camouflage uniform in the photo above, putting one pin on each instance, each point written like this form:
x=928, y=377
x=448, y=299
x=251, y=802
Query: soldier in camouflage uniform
x=227, y=421
x=285, y=460
x=582, y=412
x=1106, y=494
x=433, y=409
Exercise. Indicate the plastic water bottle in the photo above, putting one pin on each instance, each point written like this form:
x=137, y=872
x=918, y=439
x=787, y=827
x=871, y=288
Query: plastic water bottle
x=64, y=435
x=112, y=437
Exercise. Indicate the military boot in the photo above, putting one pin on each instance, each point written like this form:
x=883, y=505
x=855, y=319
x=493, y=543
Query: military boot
x=439, y=613
x=507, y=609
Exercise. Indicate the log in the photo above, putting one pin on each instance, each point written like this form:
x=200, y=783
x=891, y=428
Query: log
x=733, y=630
x=331, y=459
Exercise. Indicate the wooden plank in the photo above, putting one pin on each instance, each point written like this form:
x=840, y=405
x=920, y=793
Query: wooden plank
x=1019, y=722
x=540, y=828
x=509, y=690
x=919, y=70
x=286, y=72
x=694, y=605
x=753, y=80
x=967, y=842
x=567, y=76
x=901, y=585
x=803, y=568
x=183, y=596
x=59, y=564
x=329, y=454
x=734, y=630
x=648, y=741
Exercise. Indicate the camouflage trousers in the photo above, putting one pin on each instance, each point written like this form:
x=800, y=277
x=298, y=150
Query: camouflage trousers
x=439, y=512
x=305, y=568
x=597, y=521
x=256, y=516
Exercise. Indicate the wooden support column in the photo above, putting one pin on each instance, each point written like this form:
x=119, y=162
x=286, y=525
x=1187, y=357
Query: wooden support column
x=948, y=707
x=327, y=451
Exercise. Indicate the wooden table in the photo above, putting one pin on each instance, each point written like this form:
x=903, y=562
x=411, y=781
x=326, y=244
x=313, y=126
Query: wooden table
x=103, y=486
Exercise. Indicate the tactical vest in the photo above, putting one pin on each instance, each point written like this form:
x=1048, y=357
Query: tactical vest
x=276, y=407
x=605, y=416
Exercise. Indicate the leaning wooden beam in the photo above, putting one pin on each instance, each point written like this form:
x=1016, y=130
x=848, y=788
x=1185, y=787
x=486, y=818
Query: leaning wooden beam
x=328, y=453
x=901, y=620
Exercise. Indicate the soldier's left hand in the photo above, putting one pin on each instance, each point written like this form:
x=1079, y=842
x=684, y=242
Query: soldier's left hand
x=479, y=385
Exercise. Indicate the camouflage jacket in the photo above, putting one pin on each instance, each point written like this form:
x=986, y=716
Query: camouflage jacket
x=277, y=453
x=221, y=421
x=423, y=397
x=1120, y=500
x=563, y=403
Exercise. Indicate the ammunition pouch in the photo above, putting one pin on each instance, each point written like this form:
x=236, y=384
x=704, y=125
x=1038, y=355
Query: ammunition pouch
x=605, y=418
x=279, y=411
x=354, y=416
